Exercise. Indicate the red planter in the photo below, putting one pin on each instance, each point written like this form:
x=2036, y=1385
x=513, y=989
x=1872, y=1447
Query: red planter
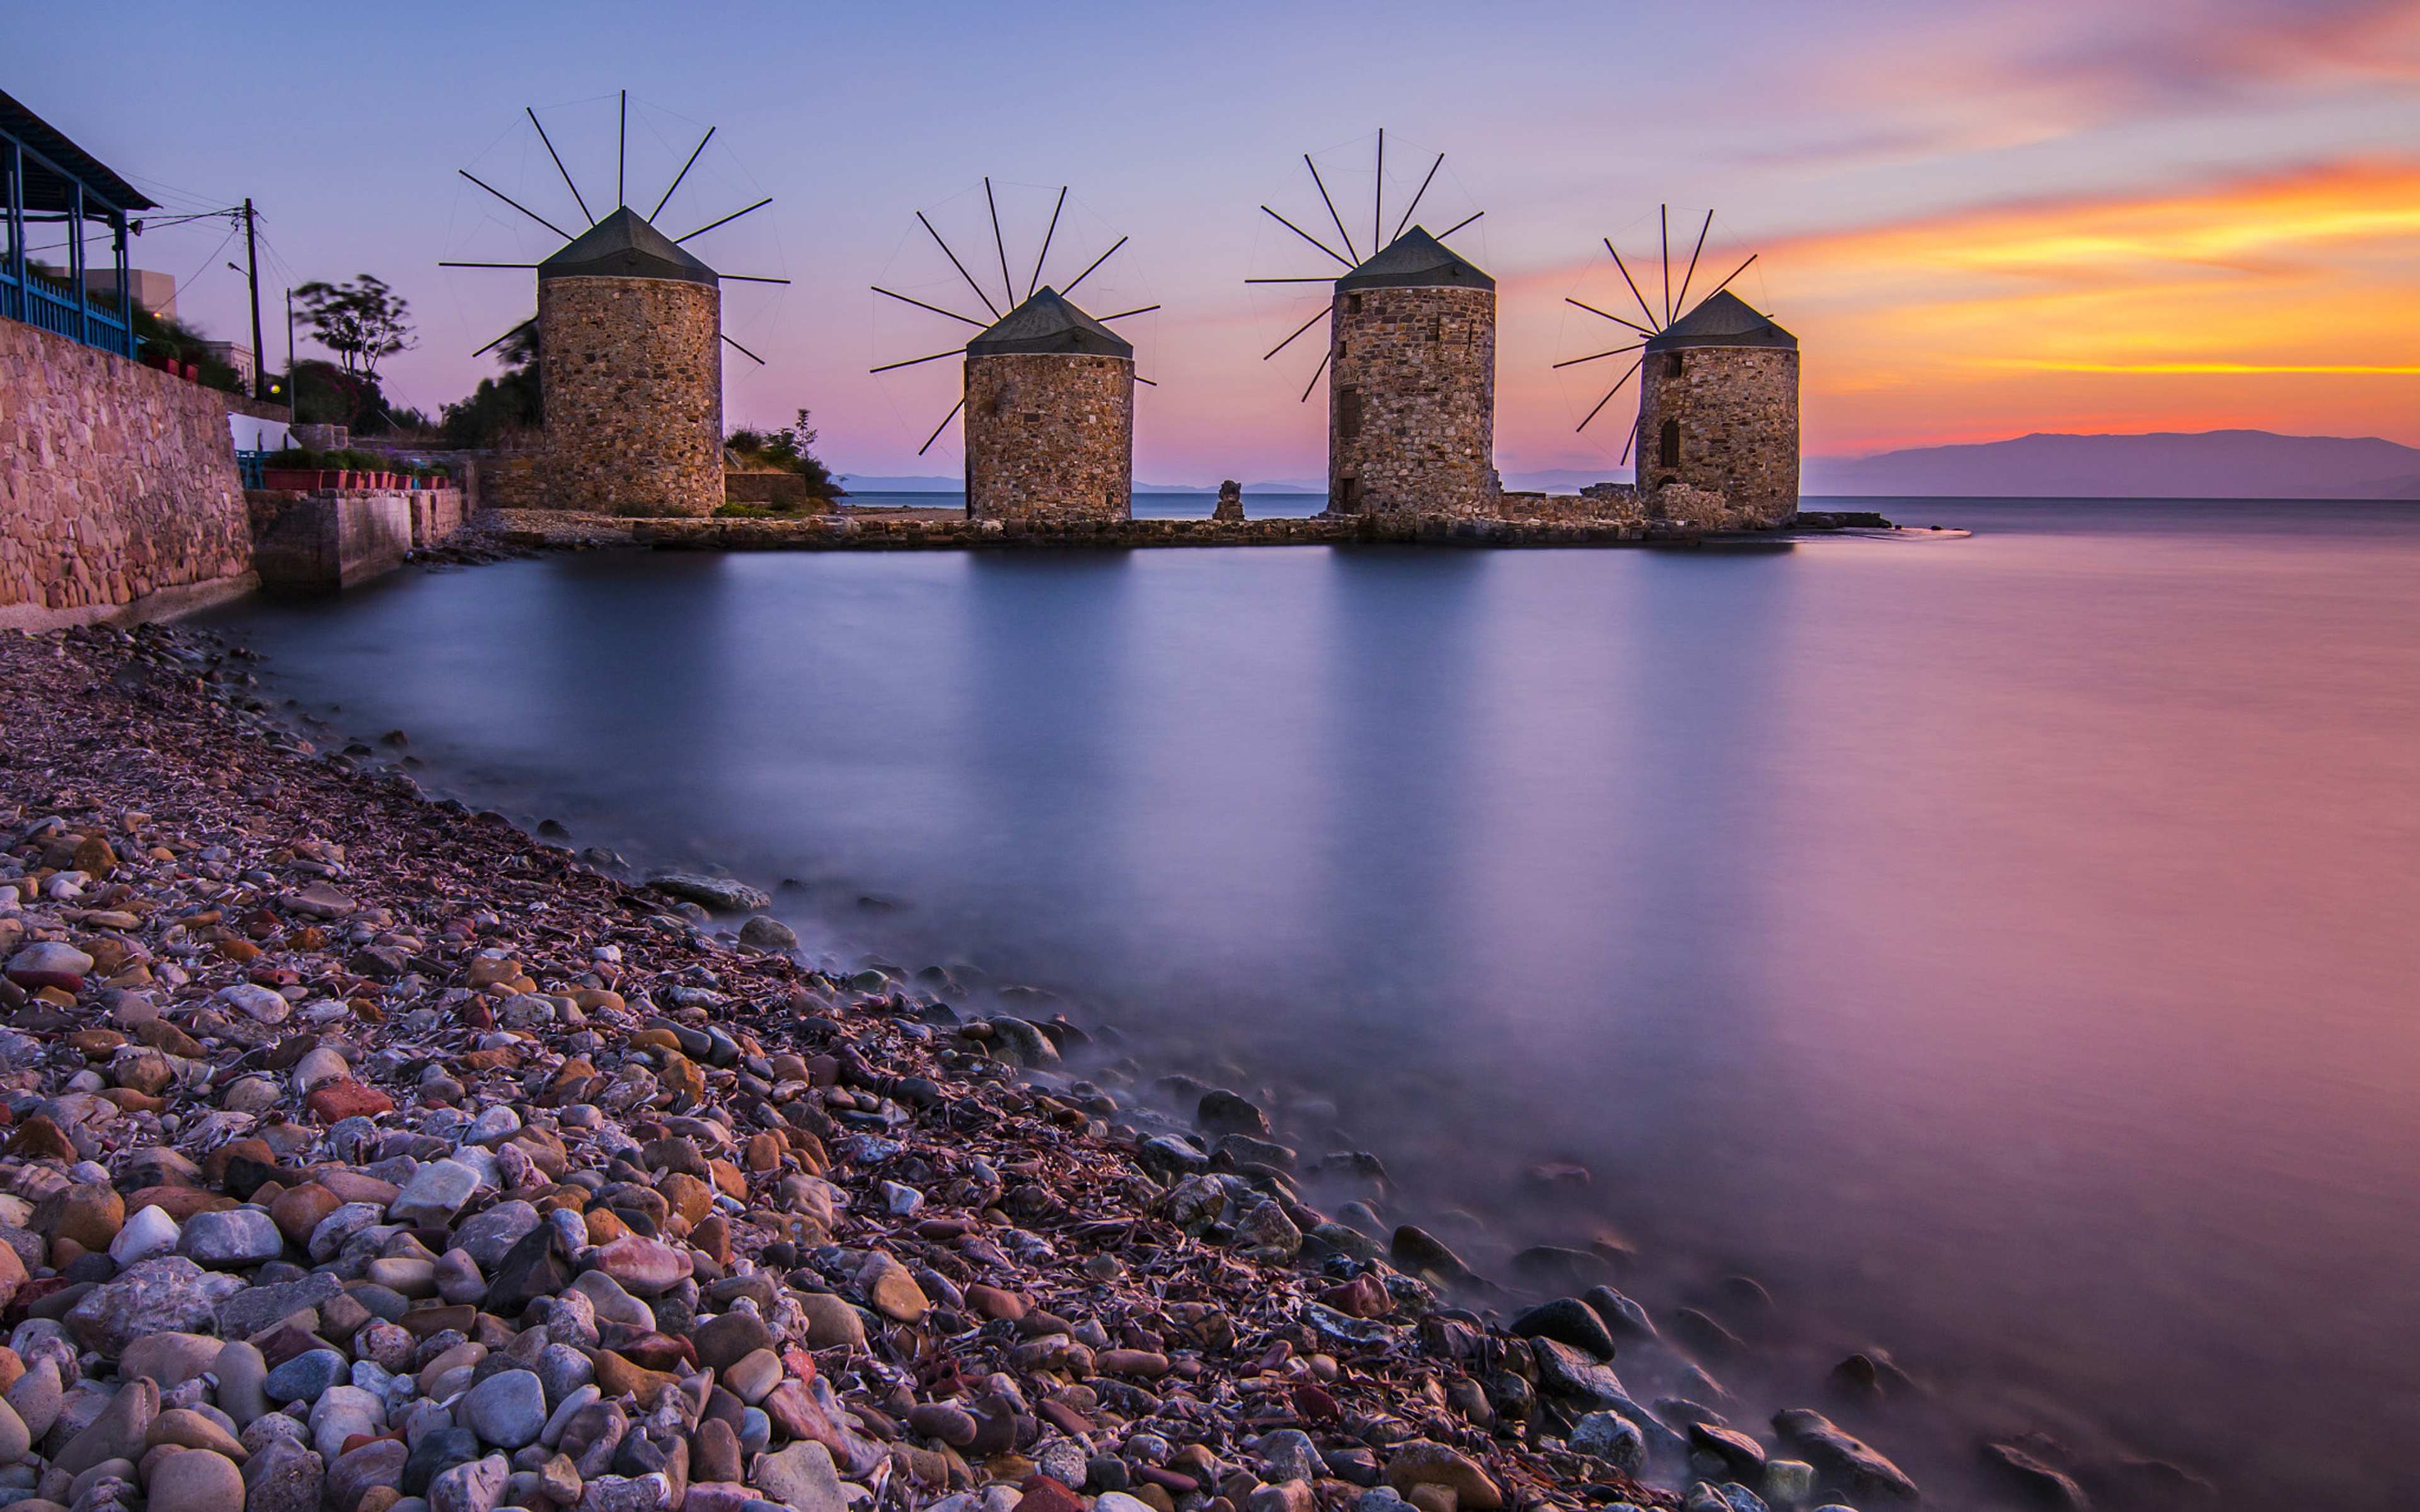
x=297, y=478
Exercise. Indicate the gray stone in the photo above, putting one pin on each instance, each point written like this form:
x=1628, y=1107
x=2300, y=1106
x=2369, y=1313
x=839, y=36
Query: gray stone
x=243, y=1381
x=1621, y=1316
x=15, y=1440
x=167, y=1295
x=170, y=1359
x=257, y=1003
x=253, y=1308
x=551, y=1435
x=485, y=1236
x=342, y=1412
x=632, y=1493
x=801, y=1477
x=334, y=1231
x=197, y=1480
x=506, y=1410
x=1612, y=1438
x=1566, y=1321
x=283, y=1476
x=563, y=1370
x=230, y=1240
x=273, y=1428
x=1842, y=1456
x=36, y=1397
x=1288, y=1454
x=435, y=1192
x=719, y=893
x=475, y=1487
x=304, y=1378
x=117, y=1432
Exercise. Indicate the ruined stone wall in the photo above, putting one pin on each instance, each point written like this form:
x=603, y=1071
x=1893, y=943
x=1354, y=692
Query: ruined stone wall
x=119, y=492
x=1049, y=437
x=1736, y=410
x=633, y=395
x=1411, y=401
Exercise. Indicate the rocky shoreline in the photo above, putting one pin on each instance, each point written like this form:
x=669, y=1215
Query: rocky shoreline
x=364, y=1154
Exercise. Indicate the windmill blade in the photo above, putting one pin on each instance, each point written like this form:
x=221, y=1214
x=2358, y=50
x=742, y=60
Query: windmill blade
x=942, y=427
x=922, y=305
x=1035, y=282
x=678, y=177
x=476, y=264
x=1140, y=378
x=1342, y=233
x=753, y=278
x=1627, y=445
x=506, y=337
x=960, y=266
x=725, y=221
x=1644, y=308
x=1727, y=282
x=1314, y=279
x=1314, y=379
x=1378, y=197
x=743, y=351
x=1608, y=399
x=1007, y=285
x=1325, y=311
x=1663, y=220
x=1096, y=262
x=1459, y=224
x=1615, y=319
x=1683, y=301
x=1594, y=356
x=954, y=352
x=1122, y=314
x=559, y=167
x=621, y=152
x=1313, y=240
x=1415, y=198
x=515, y=204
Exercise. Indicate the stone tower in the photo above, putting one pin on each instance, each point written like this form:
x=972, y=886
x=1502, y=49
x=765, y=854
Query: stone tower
x=1050, y=416
x=1718, y=408
x=1411, y=388
x=631, y=373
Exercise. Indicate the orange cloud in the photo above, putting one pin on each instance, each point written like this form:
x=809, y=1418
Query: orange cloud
x=2283, y=301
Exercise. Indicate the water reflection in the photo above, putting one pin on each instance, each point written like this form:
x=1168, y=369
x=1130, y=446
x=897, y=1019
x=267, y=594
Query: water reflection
x=2000, y=948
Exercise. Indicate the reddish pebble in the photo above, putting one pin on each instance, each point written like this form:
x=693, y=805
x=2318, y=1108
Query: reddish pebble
x=1043, y=1494
x=347, y=1100
x=995, y=1303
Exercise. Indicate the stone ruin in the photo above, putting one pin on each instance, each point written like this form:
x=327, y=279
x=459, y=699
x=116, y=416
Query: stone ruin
x=1231, y=502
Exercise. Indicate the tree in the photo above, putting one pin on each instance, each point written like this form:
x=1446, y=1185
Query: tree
x=360, y=320
x=500, y=407
x=787, y=451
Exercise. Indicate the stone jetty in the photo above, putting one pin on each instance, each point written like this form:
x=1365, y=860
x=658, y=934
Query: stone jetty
x=366, y=1154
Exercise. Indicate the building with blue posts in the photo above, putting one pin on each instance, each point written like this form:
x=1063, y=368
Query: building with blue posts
x=58, y=198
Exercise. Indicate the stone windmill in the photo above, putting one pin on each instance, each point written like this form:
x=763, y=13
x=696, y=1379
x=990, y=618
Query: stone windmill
x=630, y=336
x=1718, y=391
x=1048, y=397
x=1410, y=362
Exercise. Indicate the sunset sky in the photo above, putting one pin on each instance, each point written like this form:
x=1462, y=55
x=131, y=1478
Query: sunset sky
x=1981, y=219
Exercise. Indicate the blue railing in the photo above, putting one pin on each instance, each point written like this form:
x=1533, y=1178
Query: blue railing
x=58, y=311
x=255, y=468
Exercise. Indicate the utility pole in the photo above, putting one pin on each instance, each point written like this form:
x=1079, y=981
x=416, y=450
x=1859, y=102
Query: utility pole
x=252, y=276
x=293, y=399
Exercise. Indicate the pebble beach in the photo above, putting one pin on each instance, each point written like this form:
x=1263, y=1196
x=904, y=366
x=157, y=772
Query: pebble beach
x=366, y=1154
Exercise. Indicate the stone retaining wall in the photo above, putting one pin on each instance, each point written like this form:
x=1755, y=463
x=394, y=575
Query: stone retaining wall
x=119, y=498
x=321, y=542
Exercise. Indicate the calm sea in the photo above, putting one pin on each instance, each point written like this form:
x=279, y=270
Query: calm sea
x=2000, y=948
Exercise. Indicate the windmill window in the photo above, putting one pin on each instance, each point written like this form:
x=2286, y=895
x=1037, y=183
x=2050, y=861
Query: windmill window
x=1673, y=365
x=1348, y=414
x=1353, y=304
x=1668, y=446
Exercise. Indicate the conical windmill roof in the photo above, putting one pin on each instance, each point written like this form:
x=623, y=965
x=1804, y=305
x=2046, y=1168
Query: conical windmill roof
x=1722, y=319
x=1048, y=323
x=624, y=245
x=1415, y=260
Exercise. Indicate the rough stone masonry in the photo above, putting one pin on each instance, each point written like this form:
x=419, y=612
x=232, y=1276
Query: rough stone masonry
x=634, y=373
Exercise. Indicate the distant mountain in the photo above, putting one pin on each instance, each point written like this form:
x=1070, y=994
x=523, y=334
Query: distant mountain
x=2216, y=464
x=870, y=483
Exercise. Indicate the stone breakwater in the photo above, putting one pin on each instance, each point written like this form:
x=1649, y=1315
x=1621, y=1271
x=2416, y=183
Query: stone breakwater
x=845, y=533
x=364, y=1154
